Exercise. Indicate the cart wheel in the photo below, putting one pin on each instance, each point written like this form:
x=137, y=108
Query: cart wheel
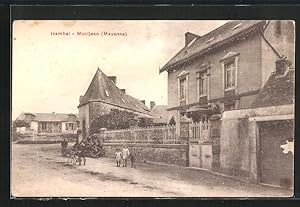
x=72, y=161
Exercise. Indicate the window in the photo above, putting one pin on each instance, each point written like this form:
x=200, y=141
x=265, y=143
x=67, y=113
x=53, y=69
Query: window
x=202, y=83
x=204, y=120
x=44, y=125
x=182, y=86
x=182, y=91
x=70, y=126
x=230, y=70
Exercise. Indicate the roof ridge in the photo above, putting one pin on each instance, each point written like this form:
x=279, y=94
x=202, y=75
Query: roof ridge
x=192, y=51
x=108, y=92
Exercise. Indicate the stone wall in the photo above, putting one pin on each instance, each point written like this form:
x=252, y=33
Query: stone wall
x=174, y=154
x=239, y=137
x=84, y=113
x=152, y=144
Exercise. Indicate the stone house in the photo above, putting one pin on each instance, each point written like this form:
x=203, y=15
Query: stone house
x=103, y=95
x=49, y=123
x=226, y=68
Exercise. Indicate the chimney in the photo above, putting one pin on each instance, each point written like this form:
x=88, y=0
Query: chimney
x=152, y=104
x=282, y=65
x=189, y=37
x=143, y=101
x=80, y=98
x=123, y=90
x=113, y=79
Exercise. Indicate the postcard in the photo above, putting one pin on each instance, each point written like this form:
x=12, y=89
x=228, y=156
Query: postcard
x=153, y=108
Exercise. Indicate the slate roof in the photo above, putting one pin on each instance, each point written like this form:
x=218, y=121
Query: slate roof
x=278, y=90
x=102, y=89
x=160, y=114
x=49, y=117
x=205, y=43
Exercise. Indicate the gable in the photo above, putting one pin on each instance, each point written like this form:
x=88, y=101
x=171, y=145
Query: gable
x=104, y=90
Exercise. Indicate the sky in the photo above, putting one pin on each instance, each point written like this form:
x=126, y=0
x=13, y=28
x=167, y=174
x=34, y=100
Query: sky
x=50, y=72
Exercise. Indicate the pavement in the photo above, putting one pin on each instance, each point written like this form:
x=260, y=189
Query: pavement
x=41, y=171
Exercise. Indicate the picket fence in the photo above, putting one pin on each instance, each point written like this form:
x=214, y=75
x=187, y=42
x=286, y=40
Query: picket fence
x=198, y=132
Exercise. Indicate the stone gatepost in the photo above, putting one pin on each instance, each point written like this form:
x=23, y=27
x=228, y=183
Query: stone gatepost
x=184, y=135
x=215, y=134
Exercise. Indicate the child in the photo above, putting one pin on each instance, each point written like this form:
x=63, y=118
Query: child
x=81, y=152
x=125, y=155
x=118, y=157
x=132, y=158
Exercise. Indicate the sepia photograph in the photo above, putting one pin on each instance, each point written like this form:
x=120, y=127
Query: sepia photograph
x=152, y=108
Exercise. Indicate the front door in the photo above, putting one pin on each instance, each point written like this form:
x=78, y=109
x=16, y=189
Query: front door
x=276, y=159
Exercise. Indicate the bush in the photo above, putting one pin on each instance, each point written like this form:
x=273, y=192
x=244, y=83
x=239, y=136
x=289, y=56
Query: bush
x=145, y=122
x=21, y=123
x=118, y=119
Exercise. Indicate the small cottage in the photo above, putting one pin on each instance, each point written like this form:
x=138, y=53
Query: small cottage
x=48, y=123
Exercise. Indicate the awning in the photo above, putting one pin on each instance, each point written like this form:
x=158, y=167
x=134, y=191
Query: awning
x=197, y=110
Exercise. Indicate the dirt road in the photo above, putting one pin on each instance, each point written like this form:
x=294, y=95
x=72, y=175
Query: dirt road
x=41, y=171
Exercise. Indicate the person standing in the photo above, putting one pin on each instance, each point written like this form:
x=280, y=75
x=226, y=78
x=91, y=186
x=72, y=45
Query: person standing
x=118, y=157
x=64, y=146
x=81, y=152
x=79, y=136
x=125, y=155
x=132, y=158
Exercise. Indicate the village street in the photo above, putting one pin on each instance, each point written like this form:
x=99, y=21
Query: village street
x=41, y=171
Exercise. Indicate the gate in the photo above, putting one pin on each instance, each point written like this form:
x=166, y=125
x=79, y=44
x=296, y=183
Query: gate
x=200, y=151
x=276, y=161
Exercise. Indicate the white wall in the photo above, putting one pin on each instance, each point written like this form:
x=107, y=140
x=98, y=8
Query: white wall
x=34, y=126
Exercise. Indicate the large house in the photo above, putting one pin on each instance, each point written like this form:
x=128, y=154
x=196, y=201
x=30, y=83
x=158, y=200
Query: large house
x=49, y=123
x=103, y=95
x=226, y=68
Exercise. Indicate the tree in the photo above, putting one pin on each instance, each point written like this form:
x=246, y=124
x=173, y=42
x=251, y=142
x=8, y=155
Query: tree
x=116, y=119
x=21, y=123
x=145, y=122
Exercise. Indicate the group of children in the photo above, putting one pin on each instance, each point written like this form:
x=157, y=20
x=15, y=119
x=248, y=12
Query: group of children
x=123, y=155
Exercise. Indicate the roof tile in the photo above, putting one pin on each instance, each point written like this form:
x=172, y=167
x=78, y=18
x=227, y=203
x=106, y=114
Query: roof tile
x=204, y=42
x=104, y=90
